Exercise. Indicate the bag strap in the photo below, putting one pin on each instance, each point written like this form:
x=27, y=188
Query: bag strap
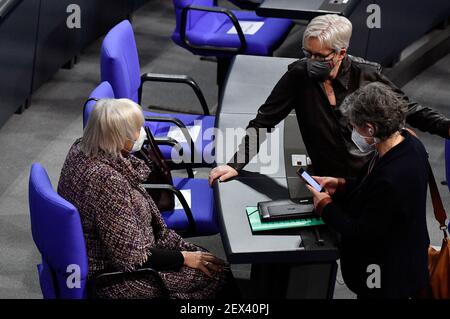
x=439, y=212
x=438, y=207
x=158, y=157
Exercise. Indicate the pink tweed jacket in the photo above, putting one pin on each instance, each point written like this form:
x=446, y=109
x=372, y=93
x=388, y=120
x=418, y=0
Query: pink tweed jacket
x=121, y=223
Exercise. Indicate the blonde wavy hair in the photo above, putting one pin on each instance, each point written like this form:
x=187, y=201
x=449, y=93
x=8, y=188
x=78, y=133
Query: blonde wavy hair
x=111, y=123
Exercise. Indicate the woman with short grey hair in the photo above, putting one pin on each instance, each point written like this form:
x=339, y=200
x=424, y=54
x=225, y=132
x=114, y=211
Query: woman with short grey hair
x=378, y=105
x=332, y=30
x=123, y=227
x=381, y=214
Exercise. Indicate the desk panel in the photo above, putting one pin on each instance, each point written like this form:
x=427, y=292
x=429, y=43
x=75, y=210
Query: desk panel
x=250, y=82
x=242, y=246
x=305, y=9
x=269, y=161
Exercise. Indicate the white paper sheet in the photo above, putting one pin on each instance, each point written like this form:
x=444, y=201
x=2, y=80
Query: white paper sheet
x=176, y=133
x=187, y=196
x=248, y=27
x=300, y=160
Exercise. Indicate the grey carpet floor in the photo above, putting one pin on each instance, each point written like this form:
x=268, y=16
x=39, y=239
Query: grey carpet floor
x=47, y=129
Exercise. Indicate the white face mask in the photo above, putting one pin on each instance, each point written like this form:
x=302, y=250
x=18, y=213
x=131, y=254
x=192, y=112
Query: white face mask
x=361, y=143
x=140, y=141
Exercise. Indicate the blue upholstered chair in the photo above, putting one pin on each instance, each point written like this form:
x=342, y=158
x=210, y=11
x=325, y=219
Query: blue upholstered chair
x=120, y=67
x=199, y=219
x=203, y=28
x=58, y=235
x=102, y=91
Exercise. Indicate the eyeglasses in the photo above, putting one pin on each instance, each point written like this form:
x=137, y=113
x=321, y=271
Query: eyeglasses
x=317, y=56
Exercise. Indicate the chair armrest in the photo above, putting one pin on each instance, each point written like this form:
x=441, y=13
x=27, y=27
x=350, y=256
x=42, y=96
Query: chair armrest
x=179, y=195
x=172, y=142
x=143, y=271
x=178, y=123
x=91, y=99
x=169, y=142
x=7, y=7
x=229, y=14
x=173, y=78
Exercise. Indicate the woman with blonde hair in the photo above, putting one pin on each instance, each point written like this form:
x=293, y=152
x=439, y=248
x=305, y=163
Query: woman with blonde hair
x=122, y=226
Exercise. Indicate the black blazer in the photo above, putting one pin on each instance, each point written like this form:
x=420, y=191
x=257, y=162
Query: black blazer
x=384, y=223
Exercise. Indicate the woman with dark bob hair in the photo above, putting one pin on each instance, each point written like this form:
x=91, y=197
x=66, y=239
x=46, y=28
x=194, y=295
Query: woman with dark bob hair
x=381, y=214
x=122, y=226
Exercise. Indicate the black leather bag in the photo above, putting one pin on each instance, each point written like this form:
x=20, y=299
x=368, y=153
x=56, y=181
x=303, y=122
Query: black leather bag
x=160, y=173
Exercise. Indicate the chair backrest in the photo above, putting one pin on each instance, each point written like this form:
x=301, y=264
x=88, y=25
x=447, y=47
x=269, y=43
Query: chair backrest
x=193, y=16
x=58, y=235
x=447, y=162
x=120, y=61
x=102, y=91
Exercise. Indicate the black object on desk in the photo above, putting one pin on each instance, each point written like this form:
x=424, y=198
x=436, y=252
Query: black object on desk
x=285, y=209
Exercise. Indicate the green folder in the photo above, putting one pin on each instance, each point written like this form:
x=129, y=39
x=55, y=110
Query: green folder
x=258, y=225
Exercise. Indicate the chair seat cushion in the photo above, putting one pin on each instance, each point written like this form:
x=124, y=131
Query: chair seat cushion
x=212, y=29
x=202, y=207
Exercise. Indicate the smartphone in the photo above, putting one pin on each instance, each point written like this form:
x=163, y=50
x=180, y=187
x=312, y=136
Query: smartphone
x=309, y=180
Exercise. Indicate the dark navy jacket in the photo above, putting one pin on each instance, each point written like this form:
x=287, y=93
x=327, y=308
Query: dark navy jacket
x=384, y=223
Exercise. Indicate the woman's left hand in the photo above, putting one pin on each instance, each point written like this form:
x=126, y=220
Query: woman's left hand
x=317, y=196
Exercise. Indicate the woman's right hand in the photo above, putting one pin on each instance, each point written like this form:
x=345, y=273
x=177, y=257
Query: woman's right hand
x=222, y=172
x=203, y=261
x=329, y=183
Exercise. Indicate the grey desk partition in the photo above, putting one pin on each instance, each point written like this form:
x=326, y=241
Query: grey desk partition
x=400, y=24
x=57, y=44
x=35, y=42
x=241, y=80
x=269, y=161
x=305, y=9
x=18, y=22
x=286, y=264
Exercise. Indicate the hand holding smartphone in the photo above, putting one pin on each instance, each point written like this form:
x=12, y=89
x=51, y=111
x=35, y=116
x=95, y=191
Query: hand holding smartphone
x=309, y=180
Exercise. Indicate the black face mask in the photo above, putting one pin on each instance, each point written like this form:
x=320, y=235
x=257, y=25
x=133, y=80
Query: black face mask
x=319, y=70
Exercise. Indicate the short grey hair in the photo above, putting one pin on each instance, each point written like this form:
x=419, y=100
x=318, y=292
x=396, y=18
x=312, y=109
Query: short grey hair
x=111, y=123
x=333, y=31
x=377, y=104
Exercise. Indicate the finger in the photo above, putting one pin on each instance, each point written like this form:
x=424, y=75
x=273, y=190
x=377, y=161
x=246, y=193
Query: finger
x=214, y=267
x=219, y=261
x=312, y=190
x=210, y=180
x=321, y=180
x=207, y=256
x=214, y=259
x=226, y=176
x=213, y=175
x=205, y=270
